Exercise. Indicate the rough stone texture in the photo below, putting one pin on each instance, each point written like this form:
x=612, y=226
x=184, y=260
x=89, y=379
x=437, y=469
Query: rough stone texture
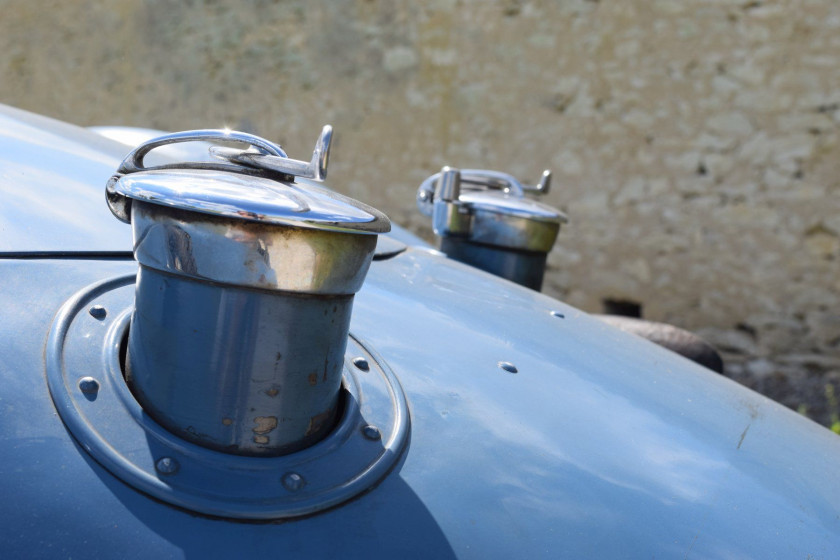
x=695, y=142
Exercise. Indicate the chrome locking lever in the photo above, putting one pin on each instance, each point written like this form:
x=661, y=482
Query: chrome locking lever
x=315, y=169
x=483, y=179
x=496, y=180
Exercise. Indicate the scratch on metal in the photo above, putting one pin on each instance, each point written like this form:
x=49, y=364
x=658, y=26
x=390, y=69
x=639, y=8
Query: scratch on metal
x=743, y=435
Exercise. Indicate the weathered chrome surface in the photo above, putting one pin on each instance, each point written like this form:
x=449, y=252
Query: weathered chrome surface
x=238, y=189
x=244, y=197
x=247, y=253
x=387, y=246
x=261, y=153
x=515, y=223
x=120, y=435
x=315, y=169
x=483, y=219
x=134, y=161
x=488, y=207
x=480, y=179
x=449, y=215
x=504, y=181
x=237, y=370
x=243, y=296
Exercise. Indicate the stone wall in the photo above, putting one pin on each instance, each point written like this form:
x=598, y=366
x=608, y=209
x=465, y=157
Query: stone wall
x=694, y=142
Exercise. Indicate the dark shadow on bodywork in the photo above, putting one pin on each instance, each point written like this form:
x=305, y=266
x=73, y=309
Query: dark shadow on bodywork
x=389, y=521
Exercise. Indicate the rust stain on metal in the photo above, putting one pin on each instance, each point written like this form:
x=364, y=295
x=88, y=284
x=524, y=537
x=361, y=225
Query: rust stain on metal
x=227, y=421
x=317, y=421
x=273, y=392
x=264, y=424
x=313, y=379
x=262, y=440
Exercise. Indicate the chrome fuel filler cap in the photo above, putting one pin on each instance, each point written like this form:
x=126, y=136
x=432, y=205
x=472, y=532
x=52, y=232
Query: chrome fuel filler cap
x=244, y=293
x=483, y=218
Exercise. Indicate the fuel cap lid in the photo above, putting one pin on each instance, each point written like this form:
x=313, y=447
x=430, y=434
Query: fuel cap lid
x=252, y=218
x=490, y=208
x=258, y=184
x=253, y=198
x=517, y=207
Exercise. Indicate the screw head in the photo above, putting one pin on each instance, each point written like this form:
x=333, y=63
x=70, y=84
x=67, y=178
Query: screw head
x=98, y=312
x=293, y=482
x=167, y=465
x=88, y=385
x=558, y=315
x=508, y=367
x=372, y=433
x=361, y=363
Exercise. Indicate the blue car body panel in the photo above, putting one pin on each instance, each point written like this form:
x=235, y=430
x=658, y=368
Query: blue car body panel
x=602, y=445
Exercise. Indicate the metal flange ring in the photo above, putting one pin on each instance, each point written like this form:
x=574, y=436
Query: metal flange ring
x=86, y=382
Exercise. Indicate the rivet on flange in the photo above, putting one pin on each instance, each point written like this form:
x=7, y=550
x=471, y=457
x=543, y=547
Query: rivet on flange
x=293, y=482
x=167, y=465
x=372, y=433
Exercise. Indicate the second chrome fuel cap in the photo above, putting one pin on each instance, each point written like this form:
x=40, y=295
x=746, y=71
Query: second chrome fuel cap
x=484, y=219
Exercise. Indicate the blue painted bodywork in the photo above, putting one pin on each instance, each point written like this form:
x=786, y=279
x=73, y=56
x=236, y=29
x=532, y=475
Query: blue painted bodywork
x=602, y=445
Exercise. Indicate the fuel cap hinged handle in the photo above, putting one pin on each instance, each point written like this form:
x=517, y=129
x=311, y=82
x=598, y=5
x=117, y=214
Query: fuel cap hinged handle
x=496, y=180
x=482, y=180
x=315, y=169
x=261, y=158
